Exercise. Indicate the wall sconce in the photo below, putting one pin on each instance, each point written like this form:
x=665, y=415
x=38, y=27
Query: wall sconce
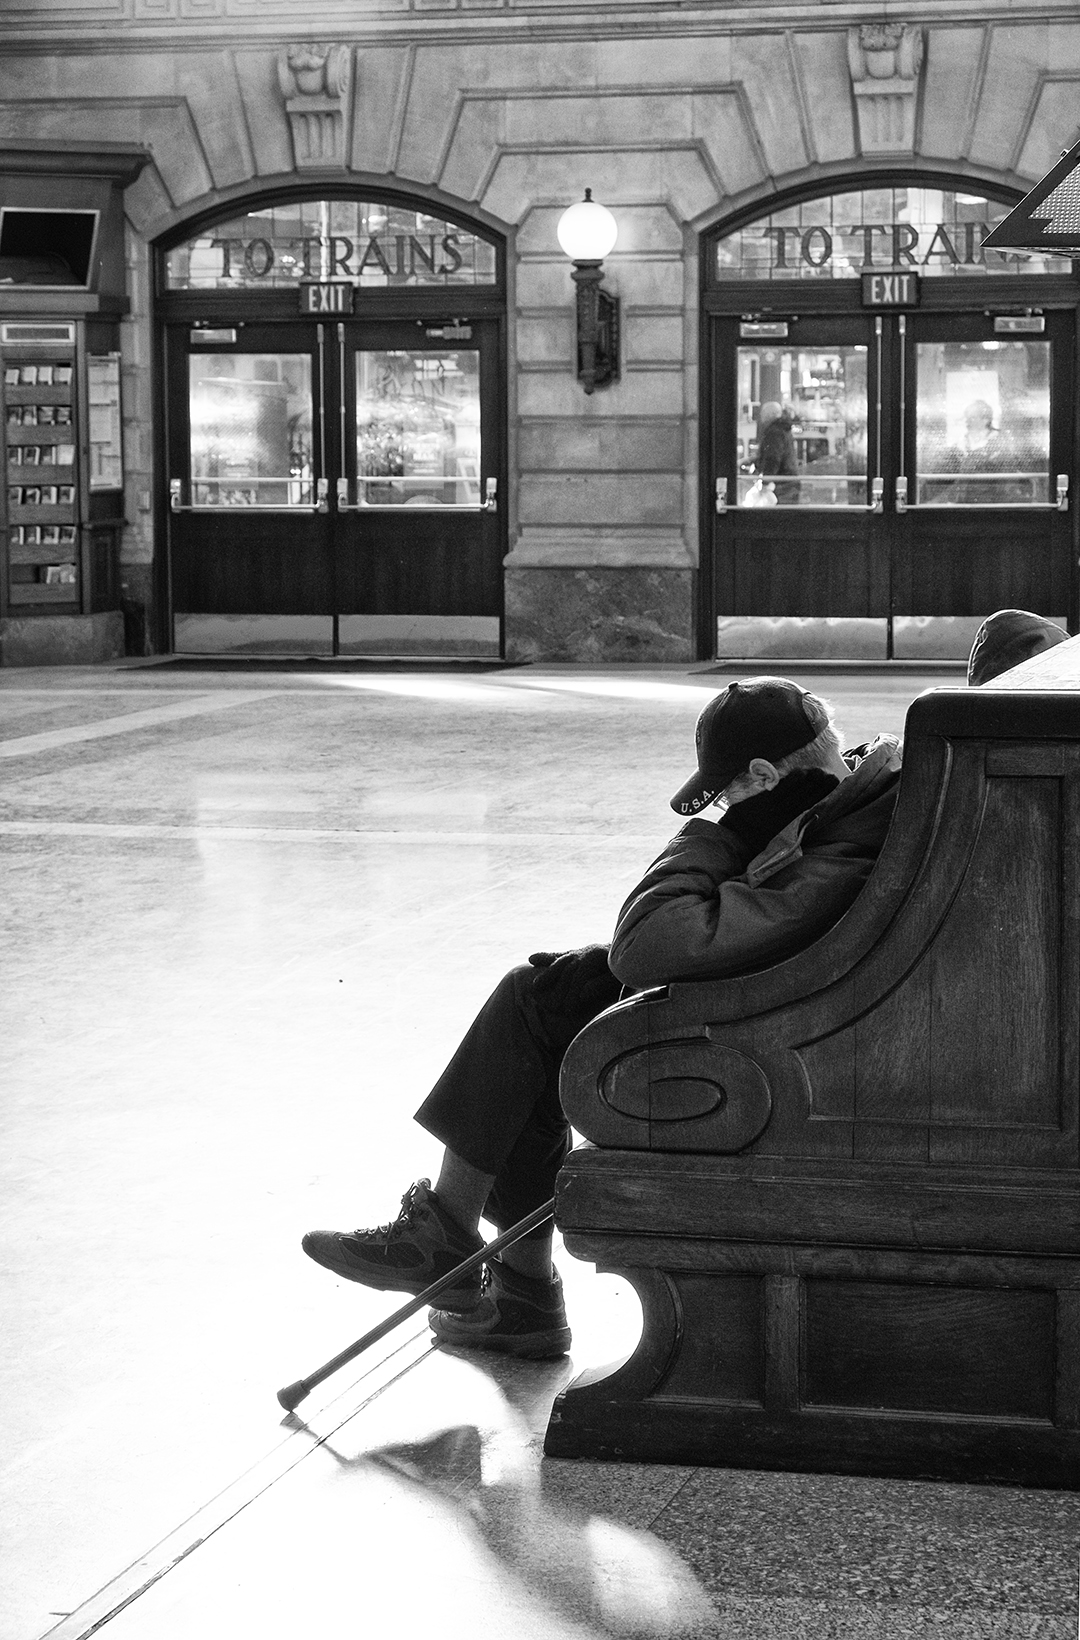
x=587, y=233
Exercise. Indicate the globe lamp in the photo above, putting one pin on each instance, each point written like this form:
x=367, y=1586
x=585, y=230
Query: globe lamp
x=587, y=233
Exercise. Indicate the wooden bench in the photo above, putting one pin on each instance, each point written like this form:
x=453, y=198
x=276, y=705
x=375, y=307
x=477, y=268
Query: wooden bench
x=846, y=1188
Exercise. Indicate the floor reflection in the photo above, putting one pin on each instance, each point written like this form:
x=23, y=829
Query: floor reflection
x=616, y=1579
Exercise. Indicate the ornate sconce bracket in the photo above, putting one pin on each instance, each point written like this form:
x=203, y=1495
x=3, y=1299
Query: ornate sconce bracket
x=597, y=327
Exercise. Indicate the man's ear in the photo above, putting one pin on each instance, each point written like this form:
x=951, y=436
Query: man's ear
x=764, y=773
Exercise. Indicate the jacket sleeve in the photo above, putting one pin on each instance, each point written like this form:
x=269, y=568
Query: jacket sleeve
x=694, y=916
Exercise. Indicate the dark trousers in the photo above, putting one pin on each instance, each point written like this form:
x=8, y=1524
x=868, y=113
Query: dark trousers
x=496, y=1105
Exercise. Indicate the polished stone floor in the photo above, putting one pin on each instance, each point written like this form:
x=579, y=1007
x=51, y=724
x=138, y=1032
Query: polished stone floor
x=246, y=916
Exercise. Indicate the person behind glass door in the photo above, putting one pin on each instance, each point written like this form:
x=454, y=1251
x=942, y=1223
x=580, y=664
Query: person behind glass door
x=776, y=459
x=984, y=453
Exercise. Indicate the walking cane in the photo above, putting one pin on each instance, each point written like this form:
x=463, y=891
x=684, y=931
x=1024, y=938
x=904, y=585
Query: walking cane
x=291, y=1396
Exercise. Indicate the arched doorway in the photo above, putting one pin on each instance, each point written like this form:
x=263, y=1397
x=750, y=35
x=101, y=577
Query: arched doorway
x=334, y=428
x=889, y=424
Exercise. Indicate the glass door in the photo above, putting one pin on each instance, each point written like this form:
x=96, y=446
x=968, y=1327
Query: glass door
x=798, y=440
x=417, y=537
x=251, y=554
x=885, y=481
x=334, y=487
x=982, y=490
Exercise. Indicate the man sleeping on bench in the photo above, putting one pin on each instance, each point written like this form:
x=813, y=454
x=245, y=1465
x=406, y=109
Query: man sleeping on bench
x=796, y=827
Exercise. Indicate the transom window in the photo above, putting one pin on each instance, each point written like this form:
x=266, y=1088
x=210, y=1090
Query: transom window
x=933, y=231
x=366, y=242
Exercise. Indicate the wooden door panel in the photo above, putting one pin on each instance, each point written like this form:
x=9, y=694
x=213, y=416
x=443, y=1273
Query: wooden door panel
x=282, y=568
x=810, y=565
x=445, y=571
x=974, y=563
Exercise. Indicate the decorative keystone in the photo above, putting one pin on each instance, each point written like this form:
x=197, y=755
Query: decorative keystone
x=315, y=82
x=886, y=62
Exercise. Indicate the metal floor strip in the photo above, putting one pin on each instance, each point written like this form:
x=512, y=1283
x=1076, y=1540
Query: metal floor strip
x=135, y=1580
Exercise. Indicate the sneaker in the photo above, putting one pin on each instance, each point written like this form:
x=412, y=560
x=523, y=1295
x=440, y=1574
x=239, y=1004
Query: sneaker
x=518, y=1315
x=407, y=1255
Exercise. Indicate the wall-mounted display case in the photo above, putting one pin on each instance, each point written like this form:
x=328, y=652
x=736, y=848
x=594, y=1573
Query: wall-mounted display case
x=62, y=300
x=62, y=504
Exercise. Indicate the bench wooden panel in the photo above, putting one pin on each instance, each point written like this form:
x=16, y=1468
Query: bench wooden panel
x=847, y=1188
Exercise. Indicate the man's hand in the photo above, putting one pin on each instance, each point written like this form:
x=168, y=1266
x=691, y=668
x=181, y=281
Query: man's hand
x=758, y=819
x=556, y=969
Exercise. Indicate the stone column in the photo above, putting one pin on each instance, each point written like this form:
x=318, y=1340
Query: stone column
x=601, y=568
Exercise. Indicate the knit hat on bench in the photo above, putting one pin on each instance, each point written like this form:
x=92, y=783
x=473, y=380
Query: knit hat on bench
x=1006, y=639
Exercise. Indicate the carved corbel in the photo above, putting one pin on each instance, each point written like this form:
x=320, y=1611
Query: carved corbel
x=316, y=81
x=885, y=61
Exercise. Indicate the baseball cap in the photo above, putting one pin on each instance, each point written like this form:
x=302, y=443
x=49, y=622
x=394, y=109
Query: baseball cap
x=758, y=717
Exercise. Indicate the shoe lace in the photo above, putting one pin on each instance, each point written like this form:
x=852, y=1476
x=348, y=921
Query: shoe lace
x=410, y=1205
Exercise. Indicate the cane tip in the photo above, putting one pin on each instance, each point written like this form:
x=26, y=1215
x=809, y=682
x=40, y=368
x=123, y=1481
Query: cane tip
x=291, y=1396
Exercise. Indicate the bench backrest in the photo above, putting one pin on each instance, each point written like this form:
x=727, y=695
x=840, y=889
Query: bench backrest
x=938, y=1022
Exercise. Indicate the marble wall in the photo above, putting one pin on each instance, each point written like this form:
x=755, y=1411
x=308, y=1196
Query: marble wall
x=598, y=614
x=673, y=116
x=61, y=640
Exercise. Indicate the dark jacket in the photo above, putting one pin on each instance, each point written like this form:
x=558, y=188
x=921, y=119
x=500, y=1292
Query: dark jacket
x=705, y=908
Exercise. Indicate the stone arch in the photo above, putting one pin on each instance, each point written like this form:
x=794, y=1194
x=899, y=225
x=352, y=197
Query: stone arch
x=169, y=225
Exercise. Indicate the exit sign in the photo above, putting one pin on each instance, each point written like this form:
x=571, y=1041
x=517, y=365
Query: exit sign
x=336, y=296
x=891, y=290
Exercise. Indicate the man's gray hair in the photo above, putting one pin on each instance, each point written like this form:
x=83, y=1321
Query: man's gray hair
x=819, y=751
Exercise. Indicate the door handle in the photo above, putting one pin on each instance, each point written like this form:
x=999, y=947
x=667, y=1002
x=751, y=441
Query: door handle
x=721, y=495
x=1063, y=492
x=344, y=505
x=321, y=503
x=877, y=495
x=491, y=488
x=901, y=494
